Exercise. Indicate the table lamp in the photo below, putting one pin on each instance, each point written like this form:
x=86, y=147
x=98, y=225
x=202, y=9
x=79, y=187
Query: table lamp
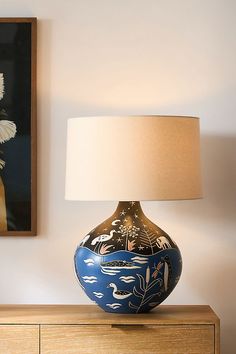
x=128, y=264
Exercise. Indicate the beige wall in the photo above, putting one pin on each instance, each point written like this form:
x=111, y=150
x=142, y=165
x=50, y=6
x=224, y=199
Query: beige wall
x=133, y=57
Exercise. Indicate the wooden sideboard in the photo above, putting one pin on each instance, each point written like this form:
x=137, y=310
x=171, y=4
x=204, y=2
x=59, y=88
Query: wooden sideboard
x=71, y=329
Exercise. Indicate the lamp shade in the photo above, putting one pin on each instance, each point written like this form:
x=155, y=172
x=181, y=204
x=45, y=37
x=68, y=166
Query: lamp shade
x=133, y=158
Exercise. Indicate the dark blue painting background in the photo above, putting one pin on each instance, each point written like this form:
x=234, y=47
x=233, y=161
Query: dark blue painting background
x=15, y=64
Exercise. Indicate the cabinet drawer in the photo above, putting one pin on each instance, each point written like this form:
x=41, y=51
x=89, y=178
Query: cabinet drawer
x=19, y=339
x=127, y=339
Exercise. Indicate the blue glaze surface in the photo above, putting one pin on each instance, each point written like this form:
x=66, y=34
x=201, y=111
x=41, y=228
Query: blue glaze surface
x=128, y=282
x=127, y=264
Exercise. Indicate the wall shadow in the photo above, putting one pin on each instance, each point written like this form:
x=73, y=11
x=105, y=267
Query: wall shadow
x=212, y=277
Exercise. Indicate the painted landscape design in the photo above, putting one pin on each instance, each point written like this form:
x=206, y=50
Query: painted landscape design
x=128, y=264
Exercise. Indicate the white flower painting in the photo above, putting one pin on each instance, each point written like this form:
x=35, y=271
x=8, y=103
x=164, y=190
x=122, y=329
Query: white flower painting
x=1, y=85
x=7, y=127
x=18, y=130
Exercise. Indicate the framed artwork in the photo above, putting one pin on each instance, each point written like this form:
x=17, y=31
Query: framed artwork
x=18, y=208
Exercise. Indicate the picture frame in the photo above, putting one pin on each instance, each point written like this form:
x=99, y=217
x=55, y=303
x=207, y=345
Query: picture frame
x=18, y=127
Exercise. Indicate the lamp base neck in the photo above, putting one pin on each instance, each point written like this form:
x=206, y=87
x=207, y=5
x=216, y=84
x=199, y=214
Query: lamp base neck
x=129, y=208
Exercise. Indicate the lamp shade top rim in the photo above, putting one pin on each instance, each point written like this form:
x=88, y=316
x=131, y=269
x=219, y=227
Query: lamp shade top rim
x=166, y=116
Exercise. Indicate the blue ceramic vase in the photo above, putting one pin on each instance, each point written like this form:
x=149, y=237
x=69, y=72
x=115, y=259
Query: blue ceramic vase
x=128, y=264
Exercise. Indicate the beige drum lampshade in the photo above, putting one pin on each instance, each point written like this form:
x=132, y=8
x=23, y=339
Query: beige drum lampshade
x=133, y=158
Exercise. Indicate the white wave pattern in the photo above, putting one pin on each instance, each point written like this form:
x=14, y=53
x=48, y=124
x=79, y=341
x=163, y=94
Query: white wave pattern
x=90, y=279
x=114, y=306
x=122, y=267
x=98, y=295
x=89, y=261
x=140, y=260
x=128, y=279
x=109, y=271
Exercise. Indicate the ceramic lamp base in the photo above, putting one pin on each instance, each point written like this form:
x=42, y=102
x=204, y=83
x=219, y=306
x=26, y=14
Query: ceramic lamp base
x=127, y=264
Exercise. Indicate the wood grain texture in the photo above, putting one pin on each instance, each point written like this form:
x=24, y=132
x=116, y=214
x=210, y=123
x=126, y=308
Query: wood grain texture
x=19, y=339
x=83, y=329
x=127, y=339
x=217, y=337
x=91, y=314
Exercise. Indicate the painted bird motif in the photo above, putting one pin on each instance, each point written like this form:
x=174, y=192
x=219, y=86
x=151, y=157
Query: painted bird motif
x=103, y=238
x=119, y=294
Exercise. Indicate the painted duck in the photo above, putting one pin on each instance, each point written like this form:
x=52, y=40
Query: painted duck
x=119, y=294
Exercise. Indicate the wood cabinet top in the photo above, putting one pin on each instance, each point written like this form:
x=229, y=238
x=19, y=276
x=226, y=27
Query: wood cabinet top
x=91, y=314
